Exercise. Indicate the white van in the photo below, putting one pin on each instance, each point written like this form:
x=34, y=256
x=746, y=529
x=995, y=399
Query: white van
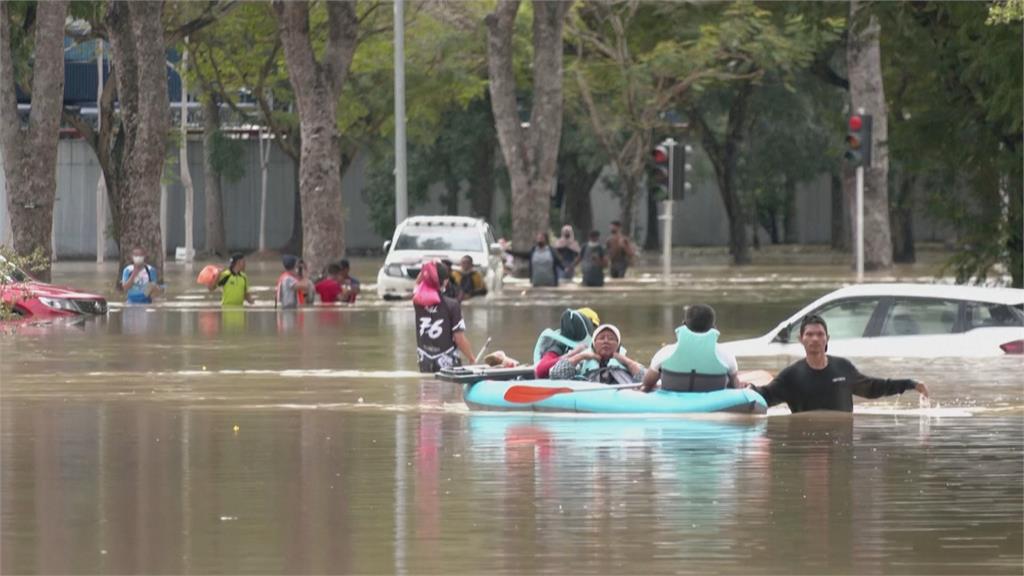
x=420, y=239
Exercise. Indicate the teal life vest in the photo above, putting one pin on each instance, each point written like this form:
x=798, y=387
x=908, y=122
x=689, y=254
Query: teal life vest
x=614, y=372
x=694, y=366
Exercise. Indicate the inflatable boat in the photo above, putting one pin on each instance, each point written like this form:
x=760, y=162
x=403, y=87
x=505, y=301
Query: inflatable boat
x=513, y=389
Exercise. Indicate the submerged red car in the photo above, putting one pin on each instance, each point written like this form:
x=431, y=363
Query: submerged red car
x=30, y=298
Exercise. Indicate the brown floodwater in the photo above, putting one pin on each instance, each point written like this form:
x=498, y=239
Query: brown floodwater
x=180, y=438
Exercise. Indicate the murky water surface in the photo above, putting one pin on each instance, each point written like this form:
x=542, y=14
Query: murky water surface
x=182, y=439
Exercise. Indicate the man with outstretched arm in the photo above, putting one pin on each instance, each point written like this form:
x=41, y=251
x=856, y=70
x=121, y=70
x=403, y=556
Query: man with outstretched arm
x=823, y=382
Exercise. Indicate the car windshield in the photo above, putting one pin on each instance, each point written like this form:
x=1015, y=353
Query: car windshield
x=446, y=238
x=12, y=273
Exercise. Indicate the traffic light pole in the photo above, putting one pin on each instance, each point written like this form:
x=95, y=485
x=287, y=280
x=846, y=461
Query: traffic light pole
x=401, y=186
x=860, y=224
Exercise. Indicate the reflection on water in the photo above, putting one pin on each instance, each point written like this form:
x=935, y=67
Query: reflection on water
x=129, y=488
x=120, y=454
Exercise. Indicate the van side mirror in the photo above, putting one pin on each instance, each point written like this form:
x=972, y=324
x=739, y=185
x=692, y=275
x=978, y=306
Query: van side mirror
x=495, y=249
x=387, y=246
x=783, y=336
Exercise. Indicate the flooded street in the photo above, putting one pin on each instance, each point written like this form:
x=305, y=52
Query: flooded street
x=180, y=438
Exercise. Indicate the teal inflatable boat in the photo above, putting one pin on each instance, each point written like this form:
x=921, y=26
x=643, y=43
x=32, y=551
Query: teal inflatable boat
x=495, y=390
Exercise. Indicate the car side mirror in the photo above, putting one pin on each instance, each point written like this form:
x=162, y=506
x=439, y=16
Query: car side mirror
x=783, y=336
x=387, y=246
x=496, y=249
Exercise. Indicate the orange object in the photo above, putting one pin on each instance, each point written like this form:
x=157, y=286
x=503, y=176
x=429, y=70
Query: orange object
x=208, y=275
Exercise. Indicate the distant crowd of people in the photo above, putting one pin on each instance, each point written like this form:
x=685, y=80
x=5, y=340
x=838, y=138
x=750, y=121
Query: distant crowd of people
x=551, y=264
x=294, y=286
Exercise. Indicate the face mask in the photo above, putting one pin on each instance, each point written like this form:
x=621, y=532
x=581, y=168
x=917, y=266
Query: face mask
x=138, y=260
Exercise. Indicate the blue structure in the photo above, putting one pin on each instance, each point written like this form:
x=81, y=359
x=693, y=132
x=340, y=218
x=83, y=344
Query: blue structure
x=80, y=78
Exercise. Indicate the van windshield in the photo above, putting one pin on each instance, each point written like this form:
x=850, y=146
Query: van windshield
x=449, y=239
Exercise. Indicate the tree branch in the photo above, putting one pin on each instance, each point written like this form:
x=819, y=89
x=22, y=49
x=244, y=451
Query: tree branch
x=213, y=11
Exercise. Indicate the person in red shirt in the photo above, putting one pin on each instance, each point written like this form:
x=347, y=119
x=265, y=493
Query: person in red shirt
x=330, y=288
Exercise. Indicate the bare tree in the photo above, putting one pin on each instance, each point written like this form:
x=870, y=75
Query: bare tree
x=863, y=60
x=530, y=150
x=317, y=86
x=30, y=152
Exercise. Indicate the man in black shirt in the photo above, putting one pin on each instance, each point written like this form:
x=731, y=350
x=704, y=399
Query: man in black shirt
x=822, y=382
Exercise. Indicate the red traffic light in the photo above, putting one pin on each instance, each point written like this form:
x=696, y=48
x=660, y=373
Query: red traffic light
x=856, y=123
x=660, y=154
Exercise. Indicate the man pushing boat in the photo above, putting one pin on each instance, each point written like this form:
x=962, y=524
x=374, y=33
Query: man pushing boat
x=823, y=382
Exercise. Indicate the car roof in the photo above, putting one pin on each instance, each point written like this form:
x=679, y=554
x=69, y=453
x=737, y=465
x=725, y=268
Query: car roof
x=1009, y=296
x=441, y=220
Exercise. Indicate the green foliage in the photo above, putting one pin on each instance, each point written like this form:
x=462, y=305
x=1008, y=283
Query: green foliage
x=227, y=155
x=956, y=84
x=451, y=157
x=1005, y=12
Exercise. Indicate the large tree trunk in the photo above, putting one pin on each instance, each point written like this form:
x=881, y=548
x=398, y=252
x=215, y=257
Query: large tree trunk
x=137, y=48
x=317, y=87
x=215, y=238
x=530, y=152
x=30, y=153
x=863, y=58
x=839, y=225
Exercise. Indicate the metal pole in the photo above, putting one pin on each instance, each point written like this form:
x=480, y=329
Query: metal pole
x=666, y=249
x=101, y=185
x=401, y=198
x=185, y=172
x=860, y=224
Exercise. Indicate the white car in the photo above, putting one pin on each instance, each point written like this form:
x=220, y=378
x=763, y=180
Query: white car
x=908, y=320
x=419, y=239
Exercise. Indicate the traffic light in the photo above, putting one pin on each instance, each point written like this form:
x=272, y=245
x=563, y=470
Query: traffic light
x=659, y=173
x=858, y=141
x=670, y=159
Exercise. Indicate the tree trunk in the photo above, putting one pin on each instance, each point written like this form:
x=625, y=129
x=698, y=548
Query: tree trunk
x=1015, y=217
x=530, y=152
x=863, y=57
x=30, y=153
x=317, y=86
x=137, y=48
x=578, y=210
x=902, y=219
x=723, y=158
x=840, y=231
x=294, y=243
x=628, y=202
x=481, y=182
x=216, y=242
x=792, y=234
x=651, y=237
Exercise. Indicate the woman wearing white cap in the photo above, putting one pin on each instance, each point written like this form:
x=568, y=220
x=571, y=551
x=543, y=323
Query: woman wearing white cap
x=604, y=361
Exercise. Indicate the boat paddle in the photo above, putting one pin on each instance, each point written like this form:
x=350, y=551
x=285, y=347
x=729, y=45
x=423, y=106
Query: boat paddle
x=530, y=394
x=482, y=348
